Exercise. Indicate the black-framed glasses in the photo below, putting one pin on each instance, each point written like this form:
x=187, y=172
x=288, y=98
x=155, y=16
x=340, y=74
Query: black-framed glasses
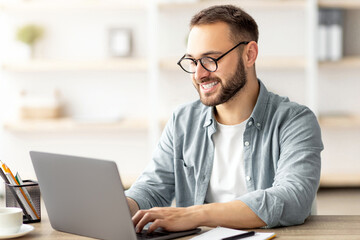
x=209, y=63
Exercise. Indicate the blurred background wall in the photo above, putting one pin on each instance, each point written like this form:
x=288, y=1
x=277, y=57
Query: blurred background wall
x=101, y=79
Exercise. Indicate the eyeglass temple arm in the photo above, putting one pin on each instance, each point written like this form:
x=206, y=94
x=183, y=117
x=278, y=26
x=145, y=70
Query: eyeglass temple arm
x=231, y=50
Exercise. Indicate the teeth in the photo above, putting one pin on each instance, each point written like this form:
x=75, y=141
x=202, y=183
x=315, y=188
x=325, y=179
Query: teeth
x=209, y=85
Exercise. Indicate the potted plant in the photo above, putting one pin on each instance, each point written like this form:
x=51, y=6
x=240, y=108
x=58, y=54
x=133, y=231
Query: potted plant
x=29, y=34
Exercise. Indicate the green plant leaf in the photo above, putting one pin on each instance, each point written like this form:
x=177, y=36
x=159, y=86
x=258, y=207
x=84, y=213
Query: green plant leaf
x=29, y=34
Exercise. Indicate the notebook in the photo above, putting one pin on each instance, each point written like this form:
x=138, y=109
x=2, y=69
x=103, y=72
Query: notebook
x=85, y=196
x=229, y=233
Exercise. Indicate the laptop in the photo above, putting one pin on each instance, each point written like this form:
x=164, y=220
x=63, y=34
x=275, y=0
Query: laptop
x=85, y=196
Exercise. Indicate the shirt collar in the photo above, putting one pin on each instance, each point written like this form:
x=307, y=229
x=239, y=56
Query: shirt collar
x=258, y=113
x=209, y=118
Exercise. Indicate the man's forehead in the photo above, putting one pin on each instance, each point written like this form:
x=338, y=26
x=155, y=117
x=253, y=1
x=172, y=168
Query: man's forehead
x=208, y=37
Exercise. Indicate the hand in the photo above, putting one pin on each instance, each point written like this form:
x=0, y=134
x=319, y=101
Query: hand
x=169, y=218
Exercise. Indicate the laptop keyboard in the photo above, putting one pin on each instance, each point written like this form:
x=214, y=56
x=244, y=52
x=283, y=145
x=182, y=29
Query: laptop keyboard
x=144, y=235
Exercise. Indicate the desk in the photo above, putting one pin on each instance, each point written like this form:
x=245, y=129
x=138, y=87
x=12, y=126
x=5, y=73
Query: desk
x=315, y=228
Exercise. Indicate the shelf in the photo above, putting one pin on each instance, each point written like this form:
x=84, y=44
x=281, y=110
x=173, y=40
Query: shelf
x=43, y=5
x=42, y=65
x=274, y=4
x=263, y=63
x=346, y=62
x=341, y=121
x=340, y=180
x=285, y=63
x=138, y=64
x=346, y=4
x=71, y=125
x=57, y=5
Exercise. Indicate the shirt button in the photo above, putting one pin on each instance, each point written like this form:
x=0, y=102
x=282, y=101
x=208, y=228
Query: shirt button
x=247, y=143
x=258, y=124
x=250, y=123
x=248, y=178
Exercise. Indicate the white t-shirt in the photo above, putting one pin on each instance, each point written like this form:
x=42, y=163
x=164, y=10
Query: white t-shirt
x=228, y=176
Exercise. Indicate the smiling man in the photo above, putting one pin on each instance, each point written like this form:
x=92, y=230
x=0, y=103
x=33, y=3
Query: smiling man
x=239, y=157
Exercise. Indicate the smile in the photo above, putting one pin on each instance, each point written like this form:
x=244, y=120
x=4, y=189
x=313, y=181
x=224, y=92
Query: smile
x=209, y=85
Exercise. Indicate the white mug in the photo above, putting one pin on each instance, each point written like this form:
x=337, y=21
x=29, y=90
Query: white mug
x=11, y=219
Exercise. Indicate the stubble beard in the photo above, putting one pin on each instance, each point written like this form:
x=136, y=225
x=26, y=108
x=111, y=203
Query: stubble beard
x=228, y=90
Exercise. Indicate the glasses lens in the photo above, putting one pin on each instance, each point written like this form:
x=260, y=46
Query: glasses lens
x=189, y=65
x=209, y=64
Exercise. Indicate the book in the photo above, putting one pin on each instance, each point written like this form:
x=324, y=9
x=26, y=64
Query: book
x=330, y=34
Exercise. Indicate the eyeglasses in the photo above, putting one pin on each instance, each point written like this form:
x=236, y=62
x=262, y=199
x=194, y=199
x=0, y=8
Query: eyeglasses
x=209, y=63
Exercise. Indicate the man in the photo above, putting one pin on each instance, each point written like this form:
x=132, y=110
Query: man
x=241, y=157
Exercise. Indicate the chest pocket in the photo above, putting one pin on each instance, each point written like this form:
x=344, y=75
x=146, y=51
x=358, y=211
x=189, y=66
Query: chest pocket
x=185, y=183
x=182, y=169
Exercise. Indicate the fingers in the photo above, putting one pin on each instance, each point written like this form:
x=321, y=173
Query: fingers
x=171, y=219
x=143, y=217
x=138, y=215
x=156, y=224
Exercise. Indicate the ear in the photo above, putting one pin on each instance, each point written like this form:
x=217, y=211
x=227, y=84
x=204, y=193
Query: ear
x=250, y=54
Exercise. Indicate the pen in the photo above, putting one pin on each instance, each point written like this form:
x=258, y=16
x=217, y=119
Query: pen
x=11, y=175
x=239, y=236
x=13, y=191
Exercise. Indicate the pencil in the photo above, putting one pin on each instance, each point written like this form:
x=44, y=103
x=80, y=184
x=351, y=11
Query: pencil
x=3, y=175
x=7, y=170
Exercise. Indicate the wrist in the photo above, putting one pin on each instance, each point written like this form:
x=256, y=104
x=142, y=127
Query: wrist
x=133, y=206
x=200, y=214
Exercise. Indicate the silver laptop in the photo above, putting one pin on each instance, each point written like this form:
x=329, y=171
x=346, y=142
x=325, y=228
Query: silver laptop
x=85, y=196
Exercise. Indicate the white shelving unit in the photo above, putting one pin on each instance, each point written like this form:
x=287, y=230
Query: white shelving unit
x=344, y=4
x=44, y=65
x=340, y=122
x=265, y=63
x=341, y=130
x=124, y=140
x=36, y=6
x=63, y=125
x=70, y=66
x=344, y=63
x=154, y=64
x=264, y=4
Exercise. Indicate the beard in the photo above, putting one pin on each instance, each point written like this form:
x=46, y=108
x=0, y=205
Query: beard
x=227, y=90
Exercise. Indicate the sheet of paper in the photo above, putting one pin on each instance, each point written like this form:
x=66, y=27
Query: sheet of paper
x=221, y=232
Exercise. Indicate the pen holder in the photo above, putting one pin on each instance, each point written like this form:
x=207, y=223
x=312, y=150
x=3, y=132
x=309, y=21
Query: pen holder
x=14, y=197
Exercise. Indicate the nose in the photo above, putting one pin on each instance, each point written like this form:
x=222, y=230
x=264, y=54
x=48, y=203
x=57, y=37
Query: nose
x=201, y=72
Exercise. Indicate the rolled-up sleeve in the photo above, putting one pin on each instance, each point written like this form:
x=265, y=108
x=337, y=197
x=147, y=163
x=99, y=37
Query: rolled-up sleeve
x=297, y=173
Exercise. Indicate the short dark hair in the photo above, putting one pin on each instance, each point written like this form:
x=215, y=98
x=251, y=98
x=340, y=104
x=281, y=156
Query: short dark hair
x=243, y=27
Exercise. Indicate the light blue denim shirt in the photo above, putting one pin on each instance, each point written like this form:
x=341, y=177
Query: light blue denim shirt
x=282, y=145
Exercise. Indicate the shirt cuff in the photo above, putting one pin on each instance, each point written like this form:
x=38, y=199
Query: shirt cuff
x=266, y=206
